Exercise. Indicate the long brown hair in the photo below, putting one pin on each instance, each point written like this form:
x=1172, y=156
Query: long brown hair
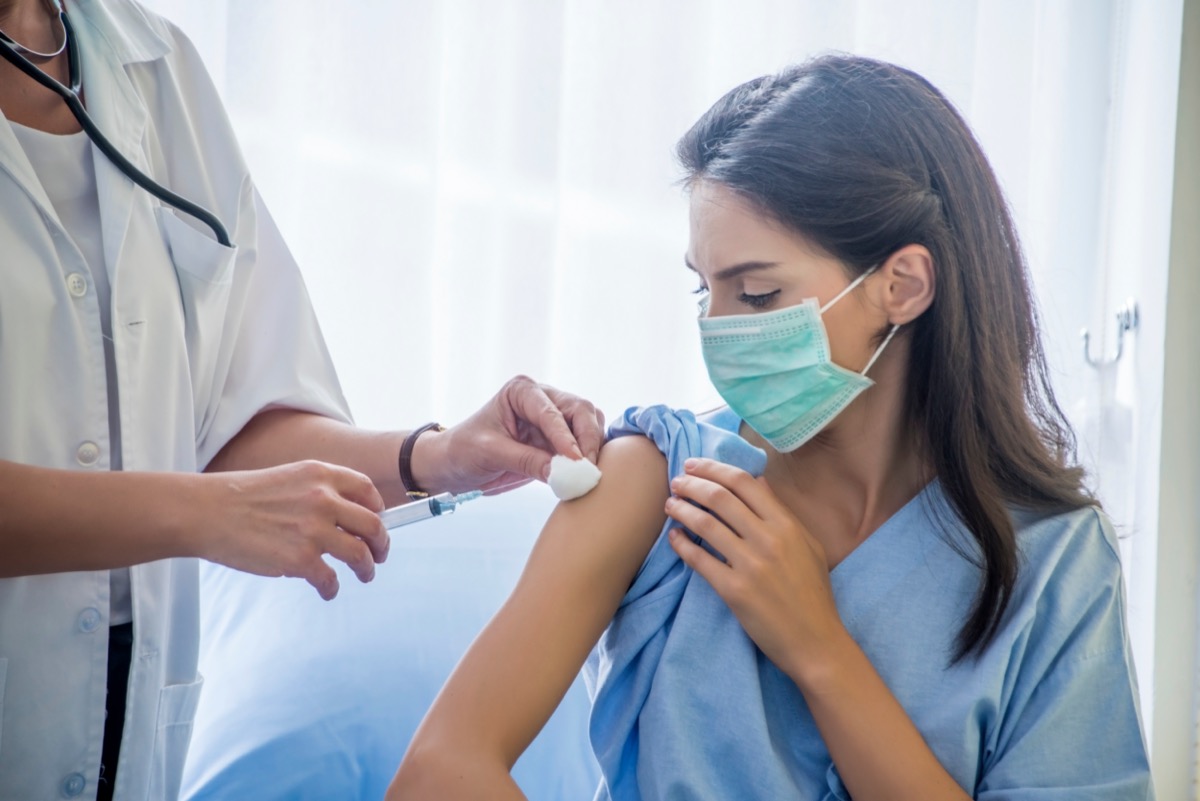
x=863, y=157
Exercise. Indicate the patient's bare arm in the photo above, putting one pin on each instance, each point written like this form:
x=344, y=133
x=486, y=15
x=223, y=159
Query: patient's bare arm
x=518, y=669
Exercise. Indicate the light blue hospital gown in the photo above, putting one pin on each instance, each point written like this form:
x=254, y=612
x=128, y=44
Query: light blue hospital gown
x=686, y=707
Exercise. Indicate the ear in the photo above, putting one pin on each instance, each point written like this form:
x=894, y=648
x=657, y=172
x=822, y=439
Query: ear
x=907, y=288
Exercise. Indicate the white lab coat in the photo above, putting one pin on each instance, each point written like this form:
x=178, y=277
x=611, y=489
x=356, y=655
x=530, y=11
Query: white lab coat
x=205, y=336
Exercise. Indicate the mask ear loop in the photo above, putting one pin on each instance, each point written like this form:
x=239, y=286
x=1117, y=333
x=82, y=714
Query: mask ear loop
x=846, y=292
x=848, y=289
x=879, y=350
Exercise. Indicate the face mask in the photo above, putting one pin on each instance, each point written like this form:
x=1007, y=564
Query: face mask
x=774, y=370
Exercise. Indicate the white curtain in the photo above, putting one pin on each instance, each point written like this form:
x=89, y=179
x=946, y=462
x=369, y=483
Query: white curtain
x=476, y=189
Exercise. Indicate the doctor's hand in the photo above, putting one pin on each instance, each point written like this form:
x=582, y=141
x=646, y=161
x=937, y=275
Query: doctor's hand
x=775, y=577
x=510, y=441
x=280, y=521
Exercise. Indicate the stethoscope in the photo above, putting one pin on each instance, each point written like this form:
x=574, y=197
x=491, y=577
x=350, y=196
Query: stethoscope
x=14, y=52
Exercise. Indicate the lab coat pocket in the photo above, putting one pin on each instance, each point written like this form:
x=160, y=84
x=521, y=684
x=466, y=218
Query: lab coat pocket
x=194, y=252
x=173, y=730
x=3, y=677
x=204, y=268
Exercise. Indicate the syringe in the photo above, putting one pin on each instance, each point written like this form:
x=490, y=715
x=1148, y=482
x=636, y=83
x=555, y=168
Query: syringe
x=442, y=504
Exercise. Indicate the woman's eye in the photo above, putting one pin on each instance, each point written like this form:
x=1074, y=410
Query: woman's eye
x=758, y=301
x=700, y=290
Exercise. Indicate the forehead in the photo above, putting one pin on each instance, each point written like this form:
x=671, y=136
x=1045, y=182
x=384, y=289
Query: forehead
x=725, y=226
x=716, y=205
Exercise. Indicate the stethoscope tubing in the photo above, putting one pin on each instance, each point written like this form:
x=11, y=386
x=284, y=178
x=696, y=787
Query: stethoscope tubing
x=71, y=97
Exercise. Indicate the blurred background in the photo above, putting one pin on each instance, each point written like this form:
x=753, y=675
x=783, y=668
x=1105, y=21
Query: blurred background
x=476, y=189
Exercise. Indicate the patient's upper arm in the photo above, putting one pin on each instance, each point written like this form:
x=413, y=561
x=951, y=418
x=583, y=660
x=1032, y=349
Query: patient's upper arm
x=591, y=548
x=518, y=669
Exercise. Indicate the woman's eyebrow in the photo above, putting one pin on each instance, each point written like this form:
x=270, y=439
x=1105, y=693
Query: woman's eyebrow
x=735, y=270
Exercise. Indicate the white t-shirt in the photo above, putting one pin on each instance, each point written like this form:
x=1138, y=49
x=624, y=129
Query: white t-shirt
x=68, y=175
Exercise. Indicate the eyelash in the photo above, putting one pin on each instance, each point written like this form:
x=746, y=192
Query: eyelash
x=754, y=301
x=758, y=301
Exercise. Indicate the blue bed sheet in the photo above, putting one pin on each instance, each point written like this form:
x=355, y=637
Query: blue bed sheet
x=305, y=699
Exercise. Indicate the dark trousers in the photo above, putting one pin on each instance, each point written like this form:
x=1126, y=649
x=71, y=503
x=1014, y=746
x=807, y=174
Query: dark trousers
x=120, y=652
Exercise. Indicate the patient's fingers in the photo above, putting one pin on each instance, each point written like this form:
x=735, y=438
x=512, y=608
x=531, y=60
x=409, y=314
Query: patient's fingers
x=708, y=566
x=706, y=526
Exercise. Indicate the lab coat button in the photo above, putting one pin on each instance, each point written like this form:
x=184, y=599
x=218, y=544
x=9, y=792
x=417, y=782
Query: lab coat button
x=87, y=454
x=89, y=619
x=77, y=285
x=73, y=785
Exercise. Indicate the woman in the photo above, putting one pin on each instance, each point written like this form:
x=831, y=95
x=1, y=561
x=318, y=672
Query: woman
x=137, y=351
x=885, y=587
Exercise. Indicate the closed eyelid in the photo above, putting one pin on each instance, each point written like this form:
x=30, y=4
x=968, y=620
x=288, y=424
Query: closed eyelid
x=733, y=271
x=759, y=301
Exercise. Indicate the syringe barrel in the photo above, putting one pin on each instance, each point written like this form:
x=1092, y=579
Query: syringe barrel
x=416, y=511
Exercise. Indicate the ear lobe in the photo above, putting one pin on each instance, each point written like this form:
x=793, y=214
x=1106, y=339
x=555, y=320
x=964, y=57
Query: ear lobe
x=909, y=287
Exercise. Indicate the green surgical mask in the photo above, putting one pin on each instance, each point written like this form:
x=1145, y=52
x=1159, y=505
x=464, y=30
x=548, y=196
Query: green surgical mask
x=774, y=369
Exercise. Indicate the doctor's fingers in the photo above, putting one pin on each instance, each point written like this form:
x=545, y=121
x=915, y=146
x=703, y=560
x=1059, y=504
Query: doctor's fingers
x=354, y=486
x=358, y=524
x=528, y=401
x=350, y=499
x=322, y=577
x=345, y=547
x=304, y=558
x=585, y=420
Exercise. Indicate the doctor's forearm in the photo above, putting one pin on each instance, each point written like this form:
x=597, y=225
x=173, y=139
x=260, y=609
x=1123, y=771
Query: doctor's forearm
x=281, y=436
x=54, y=521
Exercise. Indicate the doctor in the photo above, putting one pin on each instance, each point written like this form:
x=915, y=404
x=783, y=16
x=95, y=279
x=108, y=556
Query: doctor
x=165, y=398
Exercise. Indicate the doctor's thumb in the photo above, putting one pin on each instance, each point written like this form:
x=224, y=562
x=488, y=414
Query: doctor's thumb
x=528, y=460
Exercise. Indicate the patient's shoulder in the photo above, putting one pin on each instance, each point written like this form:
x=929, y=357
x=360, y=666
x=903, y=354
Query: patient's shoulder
x=631, y=495
x=632, y=451
x=633, y=472
x=596, y=542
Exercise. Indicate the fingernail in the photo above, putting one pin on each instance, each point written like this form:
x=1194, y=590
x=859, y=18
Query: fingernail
x=688, y=464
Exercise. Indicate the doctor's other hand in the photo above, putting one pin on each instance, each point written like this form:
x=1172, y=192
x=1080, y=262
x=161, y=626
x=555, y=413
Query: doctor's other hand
x=509, y=441
x=280, y=521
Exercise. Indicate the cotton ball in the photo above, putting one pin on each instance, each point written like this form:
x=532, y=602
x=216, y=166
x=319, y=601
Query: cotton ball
x=570, y=478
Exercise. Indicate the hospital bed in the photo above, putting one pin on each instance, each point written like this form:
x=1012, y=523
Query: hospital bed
x=305, y=699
